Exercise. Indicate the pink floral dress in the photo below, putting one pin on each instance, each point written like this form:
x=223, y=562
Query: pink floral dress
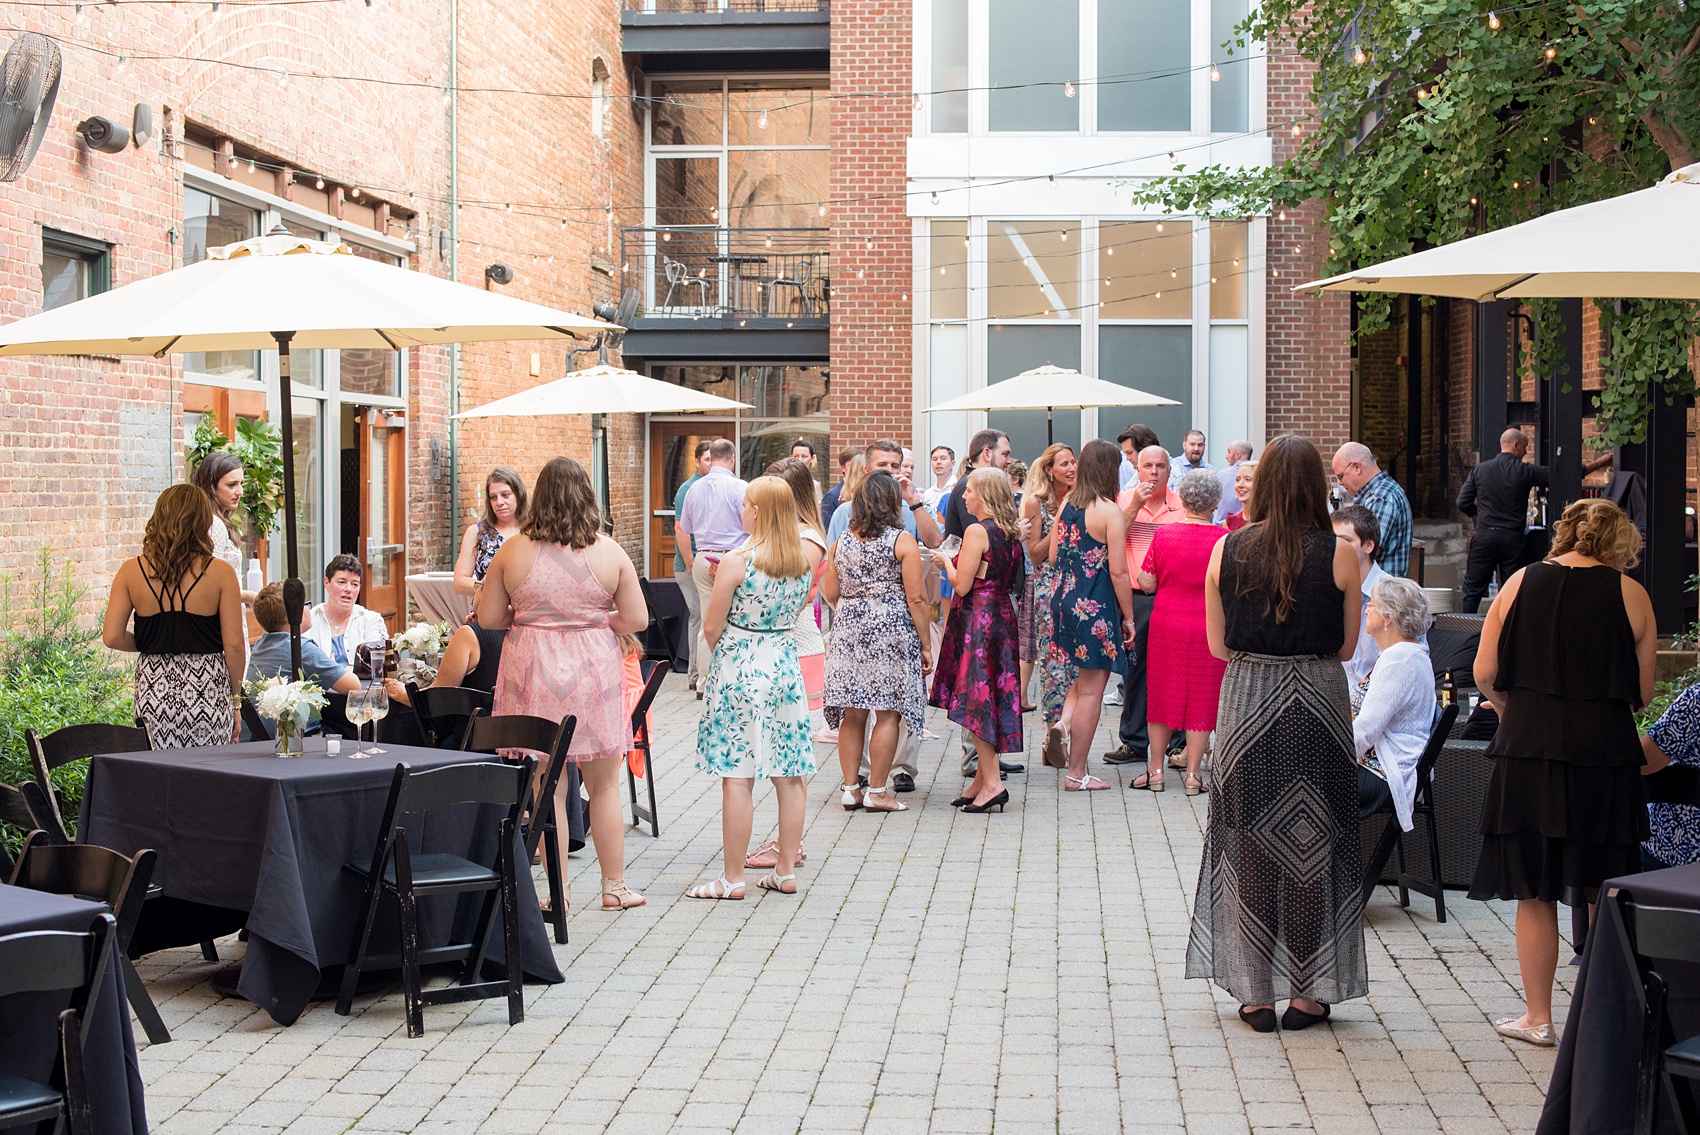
x=1087, y=620
x=562, y=657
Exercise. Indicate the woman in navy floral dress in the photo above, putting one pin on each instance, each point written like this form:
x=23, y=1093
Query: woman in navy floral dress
x=1092, y=606
x=979, y=674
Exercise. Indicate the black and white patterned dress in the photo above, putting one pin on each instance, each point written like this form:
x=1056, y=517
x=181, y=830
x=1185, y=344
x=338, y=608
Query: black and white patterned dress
x=873, y=658
x=182, y=682
x=1279, y=909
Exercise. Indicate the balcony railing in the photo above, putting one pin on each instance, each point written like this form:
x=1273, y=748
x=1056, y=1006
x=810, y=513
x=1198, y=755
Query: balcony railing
x=689, y=272
x=677, y=7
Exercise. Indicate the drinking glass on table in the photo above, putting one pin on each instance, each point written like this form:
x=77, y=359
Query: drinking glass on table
x=377, y=708
x=358, y=712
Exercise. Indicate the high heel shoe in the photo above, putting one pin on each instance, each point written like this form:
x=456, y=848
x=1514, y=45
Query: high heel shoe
x=961, y=800
x=1296, y=1018
x=997, y=802
x=1261, y=1020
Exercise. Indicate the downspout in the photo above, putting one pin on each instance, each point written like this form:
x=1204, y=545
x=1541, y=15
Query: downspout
x=454, y=271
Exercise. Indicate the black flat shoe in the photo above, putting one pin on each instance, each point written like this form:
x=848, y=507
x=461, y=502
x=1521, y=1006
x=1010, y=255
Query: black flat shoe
x=1296, y=1018
x=1261, y=1020
x=997, y=802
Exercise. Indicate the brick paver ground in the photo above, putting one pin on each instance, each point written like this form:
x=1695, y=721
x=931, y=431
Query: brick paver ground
x=938, y=973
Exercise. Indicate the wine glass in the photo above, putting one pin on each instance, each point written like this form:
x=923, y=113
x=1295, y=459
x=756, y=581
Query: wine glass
x=358, y=713
x=377, y=708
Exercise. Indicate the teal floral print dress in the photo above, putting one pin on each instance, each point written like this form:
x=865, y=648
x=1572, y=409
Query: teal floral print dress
x=1087, y=621
x=756, y=717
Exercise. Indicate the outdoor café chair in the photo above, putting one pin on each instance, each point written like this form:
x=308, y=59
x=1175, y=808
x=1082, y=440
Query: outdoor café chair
x=15, y=810
x=653, y=672
x=443, y=712
x=101, y=875
x=46, y=961
x=1422, y=808
x=552, y=739
x=395, y=870
x=679, y=276
x=1659, y=934
x=802, y=272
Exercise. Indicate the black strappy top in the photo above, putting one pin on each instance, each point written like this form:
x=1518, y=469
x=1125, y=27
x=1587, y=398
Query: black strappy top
x=174, y=630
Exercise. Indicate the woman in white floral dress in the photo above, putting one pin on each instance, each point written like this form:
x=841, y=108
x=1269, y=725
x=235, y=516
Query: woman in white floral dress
x=756, y=718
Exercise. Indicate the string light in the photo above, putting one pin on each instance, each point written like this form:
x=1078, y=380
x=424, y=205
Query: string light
x=1422, y=92
x=1068, y=89
x=355, y=192
x=917, y=103
x=870, y=244
x=769, y=240
x=761, y=122
x=79, y=13
x=1283, y=215
x=822, y=209
x=1110, y=251
x=122, y=63
x=319, y=184
x=1551, y=52
x=935, y=197
x=1472, y=200
x=1359, y=57
x=1493, y=20
x=1171, y=157
x=1296, y=131
x=215, y=9
x=1051, y=178
x=252, y=168
x=1215, y=75
x=1159, y=226
x=509, y=206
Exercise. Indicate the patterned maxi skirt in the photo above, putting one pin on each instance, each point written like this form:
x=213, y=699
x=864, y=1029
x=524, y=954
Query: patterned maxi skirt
x=1279, y=909
x=185, y=700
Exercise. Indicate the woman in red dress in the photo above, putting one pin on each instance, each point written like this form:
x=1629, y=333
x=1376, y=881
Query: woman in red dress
x=1184, y=680
x=1242, y=490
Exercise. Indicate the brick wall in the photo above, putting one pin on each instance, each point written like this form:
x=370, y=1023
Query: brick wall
x=872, y=345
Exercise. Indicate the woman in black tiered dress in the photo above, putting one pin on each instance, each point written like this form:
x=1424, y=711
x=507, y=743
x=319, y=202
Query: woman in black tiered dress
x=1567, y=651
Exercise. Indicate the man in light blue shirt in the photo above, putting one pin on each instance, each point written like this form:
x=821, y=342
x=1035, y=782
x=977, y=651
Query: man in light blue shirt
x=681, y=567
x=1190, y=458
x=710, y=522
x=269, y=656
x=1239, y=452
x=887, y=457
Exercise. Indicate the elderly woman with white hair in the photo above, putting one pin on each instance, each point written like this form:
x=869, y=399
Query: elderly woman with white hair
x=1395, y=715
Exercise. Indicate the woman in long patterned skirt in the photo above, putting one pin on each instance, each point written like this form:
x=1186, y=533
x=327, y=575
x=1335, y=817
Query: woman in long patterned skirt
x=1048, y=482
x=1279, y=909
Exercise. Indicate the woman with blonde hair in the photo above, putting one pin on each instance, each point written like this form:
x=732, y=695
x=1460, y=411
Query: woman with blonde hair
x=978, y=682
x=755, y=721
x=188, y=625
x=566, y=592
x=1049, y=481
x=1566, y=656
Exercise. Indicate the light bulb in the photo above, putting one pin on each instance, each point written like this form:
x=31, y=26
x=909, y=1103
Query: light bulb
x=917, y=102
x=215, y=8
x=355, y=192
x=1422, y=92
x=1276, y=272
x=941, y=271
x=770, y=241
x=762, y=121
x=1068, y=89
x=79, y=13
x=935, y=197
x=1360, y=57
x=1296, y=130
x=861, y=273
x=1172, y=274
x=319, y=183
x=1296, y=250
x=1516, y=185
x=1159, y=295
x=252, y=168
x=666, y=236
x=509, y=206
x=1493, y=20
x=905, y=297
x=1051, y=178
x=1171, y=157
x=1552, y=51
x=1159, y=226
x=1236, y=262
x=964, y=242
x=122, y=63
x=1283, y=215
x=1064, y=235
x=1215, y=75
x=1472, y=200
x=714, y=213
x=822, y=209
x=1110, y=251
x=563, y=219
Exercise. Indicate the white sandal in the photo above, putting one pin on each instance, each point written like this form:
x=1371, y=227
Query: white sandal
x=721, y=888
x=773, y=881
x=1085, y=782
x=893, y=805
x=852, y=798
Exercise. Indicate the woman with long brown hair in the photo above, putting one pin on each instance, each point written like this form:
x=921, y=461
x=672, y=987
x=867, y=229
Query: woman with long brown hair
x=1279, y=909
x=1049, y=481
x=220, y=475
x=1092, y=604
x=188, y=625
x=504, y=514
x=566, y=592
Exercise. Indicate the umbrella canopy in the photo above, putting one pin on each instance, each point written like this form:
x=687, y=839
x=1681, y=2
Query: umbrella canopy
x=1051, y=388
x=1642, y=245
x=242, y=295
x=603, y=389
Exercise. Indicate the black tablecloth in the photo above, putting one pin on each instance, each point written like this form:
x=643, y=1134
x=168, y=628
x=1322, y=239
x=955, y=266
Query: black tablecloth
x=1593, y=1084
x=238, y=828
x=29, y=1022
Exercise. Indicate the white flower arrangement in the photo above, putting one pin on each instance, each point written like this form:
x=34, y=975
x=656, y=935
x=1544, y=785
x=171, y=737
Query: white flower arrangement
x=290, y=704
x=423, y=638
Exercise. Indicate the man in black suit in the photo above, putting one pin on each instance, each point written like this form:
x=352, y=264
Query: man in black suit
x=1496, y=495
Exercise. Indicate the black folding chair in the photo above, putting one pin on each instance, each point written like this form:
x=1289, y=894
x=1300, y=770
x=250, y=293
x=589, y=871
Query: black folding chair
x=653, y=673
x=102, y=875
x=1422, y=806
x=79, y=743
x=396, y=870
x=444, y=711
x=14, y=811
x=661, y=637
x=46, y=961
x=552, y=739
x=1651, y=934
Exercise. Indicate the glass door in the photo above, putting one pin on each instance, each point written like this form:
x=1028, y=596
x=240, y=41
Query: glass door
x=383, y=514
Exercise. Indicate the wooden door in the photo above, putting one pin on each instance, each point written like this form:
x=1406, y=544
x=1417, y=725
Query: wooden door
x=382, y=440
x=672, y=448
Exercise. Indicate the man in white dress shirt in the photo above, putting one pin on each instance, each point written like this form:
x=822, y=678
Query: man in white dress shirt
x=340, y=623
x=1190, y=458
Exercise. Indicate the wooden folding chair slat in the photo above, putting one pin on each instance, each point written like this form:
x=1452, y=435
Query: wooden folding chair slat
x=654, y=673
x=392, y=871
x=553, y=739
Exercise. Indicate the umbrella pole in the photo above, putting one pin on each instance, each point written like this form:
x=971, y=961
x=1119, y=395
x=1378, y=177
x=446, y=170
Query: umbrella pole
x=294, y=592
x=1048, y=438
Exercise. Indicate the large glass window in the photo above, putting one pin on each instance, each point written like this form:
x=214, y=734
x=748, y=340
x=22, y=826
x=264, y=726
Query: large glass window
x=1230, y=87
x=210, y=222
x=1033, y=270
x=1145, y=65
x=1035, y=50
x=1013, y=349
x=1229, y=268
x=371, y=372
x=776, y=189
x=686, y=113
x=777, y=114
x=950, y=67
x=1157, y=360
x=1145, y=270
x=948, y=270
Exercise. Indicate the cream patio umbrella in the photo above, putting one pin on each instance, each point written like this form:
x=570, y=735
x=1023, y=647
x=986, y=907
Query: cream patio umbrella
x=281, y=291
x=603, y=389
x=1051, y=388
x=1641, y=245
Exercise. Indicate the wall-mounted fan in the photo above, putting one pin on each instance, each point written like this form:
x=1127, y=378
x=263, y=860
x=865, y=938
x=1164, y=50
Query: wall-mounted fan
x=29, y=84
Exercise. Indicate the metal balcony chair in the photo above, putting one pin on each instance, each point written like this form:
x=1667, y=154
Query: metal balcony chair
x=679, y=276
x=800, y=277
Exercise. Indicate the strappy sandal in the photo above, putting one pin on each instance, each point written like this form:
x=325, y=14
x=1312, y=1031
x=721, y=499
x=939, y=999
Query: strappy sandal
x=767, y=855
x=784, y=884
x=852, y=798
x=1195, y=785
x=721, y=888
x=1056, y=748
x=1148, y=783
x=1085, y=782
x=890, y=802
x=624, y=897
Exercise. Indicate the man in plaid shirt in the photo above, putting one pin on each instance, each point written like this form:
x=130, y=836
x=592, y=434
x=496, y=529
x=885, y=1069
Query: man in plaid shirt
x=1356, y=468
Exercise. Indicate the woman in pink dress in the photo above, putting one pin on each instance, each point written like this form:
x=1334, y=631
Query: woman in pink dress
x=565, y=592
x=1184, y=681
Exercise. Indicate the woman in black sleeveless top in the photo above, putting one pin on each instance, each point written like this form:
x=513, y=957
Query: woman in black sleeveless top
x=1279, y=911
x=189, y=628
x=1567, y=652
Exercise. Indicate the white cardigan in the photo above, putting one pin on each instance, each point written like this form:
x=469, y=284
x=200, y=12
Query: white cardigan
x=1396, y=718
x=363, y=626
